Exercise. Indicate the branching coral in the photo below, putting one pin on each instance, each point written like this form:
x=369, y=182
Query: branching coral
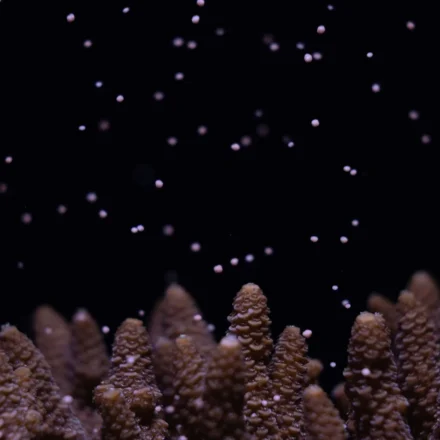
x=178, y=384
x=377, y=406
x=322, y=419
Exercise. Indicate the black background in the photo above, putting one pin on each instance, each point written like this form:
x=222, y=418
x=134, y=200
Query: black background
x=233, y=203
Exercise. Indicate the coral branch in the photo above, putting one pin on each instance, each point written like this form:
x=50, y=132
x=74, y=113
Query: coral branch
x=322, y=420
x=376, y=405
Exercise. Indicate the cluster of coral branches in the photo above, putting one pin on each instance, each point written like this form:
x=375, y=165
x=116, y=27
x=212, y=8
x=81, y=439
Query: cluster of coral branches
x=176, y=382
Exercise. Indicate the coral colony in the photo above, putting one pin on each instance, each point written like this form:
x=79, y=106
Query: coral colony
x=176, y=382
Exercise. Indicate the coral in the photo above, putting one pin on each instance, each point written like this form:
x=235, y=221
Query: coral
x=177, y=315
x=381, y=304
x=314, y=370
x=190, y=371
x=224, y=393
x=288, y=371
x=322, y=420
x=58, y=420
x=131, y=385
x=53, y=337
x=341, y=399
x=377, y=406
x=250, y=323
x=179, y=384
x=418, y=372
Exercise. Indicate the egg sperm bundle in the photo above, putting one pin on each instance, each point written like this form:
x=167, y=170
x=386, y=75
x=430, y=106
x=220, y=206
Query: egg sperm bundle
x=176, y=382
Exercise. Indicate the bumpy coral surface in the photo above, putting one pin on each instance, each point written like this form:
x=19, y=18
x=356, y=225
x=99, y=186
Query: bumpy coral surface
x=176, y=382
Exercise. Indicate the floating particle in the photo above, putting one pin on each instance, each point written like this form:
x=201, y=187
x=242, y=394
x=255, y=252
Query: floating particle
x=320, y=30
x=197, y=317
x=330, y=7
x=172, y=141
x=158, y=96
x=413, y=115
x=87, y=43
x=276, y=397
x=219, y=32
x=26, y=218
x=120, y=98
x=105, y=329
x=344, y=239
x=291, y=144
x=168, y=230
x=134, y=230
x=300, y=45
x=218, y=268
x=3, y=187
x=141, y=312
x=125, y=10
x=314, y=239
x=308, y=58
x=369, y=54
x=307, y=333
x=61, y=209
x=211, y=327
x=70, y=18
x=195, y=19
x=67, y=399
x=315, y=122
x=200, y=3
x=91, y=197
x=346, y=303
x=98, y=84
x=268, y=251
x=140, y=228
x=258, y=113
x=191, y=44
x=335, y=287
x=195, y=247
x=104, y=125
x=426, y=139
x=178, y=42
x=410, y=25
x=274, y=47
x=333, y=364
x=249, y=258
x=347, y=168
x=262, y=130
x=235, y=147
x=365, y=372
x=158, y=184
x=355, y=222
x=234, y=261
x=375, y=87
x=317, y=56
x=8, y=159
x=20, y=265
x=353, y=172
x=202, y=130
x=102, y=213
x=81, y=127
x=178, y=76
